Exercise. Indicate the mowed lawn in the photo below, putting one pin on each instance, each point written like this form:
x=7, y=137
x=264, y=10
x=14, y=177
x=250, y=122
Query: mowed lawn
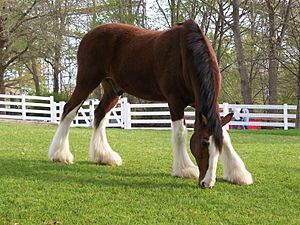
x=34, y=190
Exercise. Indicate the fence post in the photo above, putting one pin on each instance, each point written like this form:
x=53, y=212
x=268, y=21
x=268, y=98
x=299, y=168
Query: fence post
x=126, y=113
x=226, y=111
x=53, y=110
x=23, y=99
x=285, y=116
x=122, y=112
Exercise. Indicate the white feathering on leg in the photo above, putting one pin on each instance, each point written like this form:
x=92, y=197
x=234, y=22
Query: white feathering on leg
x=182, y=164
x=100, y=150
x=234, y=169
x=59, y=150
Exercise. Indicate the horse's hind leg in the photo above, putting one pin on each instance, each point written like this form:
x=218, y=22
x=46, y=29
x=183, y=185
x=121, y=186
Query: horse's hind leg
x=100, y=150
x=59, y=150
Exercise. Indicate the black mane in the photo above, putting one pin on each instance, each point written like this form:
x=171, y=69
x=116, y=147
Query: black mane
x=208, y=80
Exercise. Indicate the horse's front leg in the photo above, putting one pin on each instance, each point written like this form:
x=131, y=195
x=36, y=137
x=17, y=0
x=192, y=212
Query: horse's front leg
x=234, y=169
x=182, y=164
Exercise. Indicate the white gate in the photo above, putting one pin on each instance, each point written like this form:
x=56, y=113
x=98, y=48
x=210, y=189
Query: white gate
x=85, y=115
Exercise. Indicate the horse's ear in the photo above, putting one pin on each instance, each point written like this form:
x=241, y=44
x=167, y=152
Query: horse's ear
x=204, y=120
x=226, y=119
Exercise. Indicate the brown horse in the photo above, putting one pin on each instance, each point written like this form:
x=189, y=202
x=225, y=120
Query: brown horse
x=177, y=66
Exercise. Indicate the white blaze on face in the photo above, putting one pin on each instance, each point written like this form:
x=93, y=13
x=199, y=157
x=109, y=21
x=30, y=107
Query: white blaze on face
x=234, y=169
x=210, y=176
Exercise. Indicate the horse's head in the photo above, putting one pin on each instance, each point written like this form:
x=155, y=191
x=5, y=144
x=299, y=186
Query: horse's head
x=200, y=143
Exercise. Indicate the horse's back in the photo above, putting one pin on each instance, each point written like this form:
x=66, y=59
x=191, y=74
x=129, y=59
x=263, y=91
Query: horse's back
x=112, y=43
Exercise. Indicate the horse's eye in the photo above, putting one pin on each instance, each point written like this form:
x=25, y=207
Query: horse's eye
x=204, y=143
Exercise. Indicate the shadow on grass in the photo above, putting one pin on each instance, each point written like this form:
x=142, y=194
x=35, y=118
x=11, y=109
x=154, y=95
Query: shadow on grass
x=84, y=173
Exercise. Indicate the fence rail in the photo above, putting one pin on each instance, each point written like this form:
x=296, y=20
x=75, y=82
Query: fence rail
x=151, y=115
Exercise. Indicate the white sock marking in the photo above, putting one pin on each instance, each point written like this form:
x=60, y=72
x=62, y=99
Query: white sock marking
x=182, y=164
x=100, y=150
x=234, y=169
x=59, y=150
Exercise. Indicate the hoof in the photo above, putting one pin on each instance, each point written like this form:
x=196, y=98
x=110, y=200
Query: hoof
x=191, y=172
x=203, y=185
x=111, y=159
x=207, y=183
x=242, y=178
x=65, y=160
x=60, y=153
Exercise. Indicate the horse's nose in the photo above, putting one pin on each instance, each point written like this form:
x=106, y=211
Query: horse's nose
x=202, y=184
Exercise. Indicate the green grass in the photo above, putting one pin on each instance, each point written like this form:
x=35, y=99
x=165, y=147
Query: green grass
x=141, y=191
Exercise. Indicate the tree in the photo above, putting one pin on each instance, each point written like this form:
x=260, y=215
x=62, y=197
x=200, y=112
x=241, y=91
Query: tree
x=122, y=11
x=291, y=59
x=57, y=28
x=64, y=23
x=277, y=26
x=15, y=19
x=34, y=69
x=245, y=87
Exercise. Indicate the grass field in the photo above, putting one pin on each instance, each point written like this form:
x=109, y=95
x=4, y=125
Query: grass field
x=141, y=191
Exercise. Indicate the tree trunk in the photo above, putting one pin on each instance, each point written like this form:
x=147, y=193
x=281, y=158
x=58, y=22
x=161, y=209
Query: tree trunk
x=55, y=81
x=3, y=40
x=221, y=32
x=129, y=10
x=56, y=66
x=172, y=9
x=273, y=64
x=35, y=76
x=175, y=11
x=143, y=22
x=245, y=87
x=2, y=85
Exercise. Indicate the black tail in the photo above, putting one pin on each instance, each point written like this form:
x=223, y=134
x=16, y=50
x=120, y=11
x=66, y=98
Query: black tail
x=209, y=79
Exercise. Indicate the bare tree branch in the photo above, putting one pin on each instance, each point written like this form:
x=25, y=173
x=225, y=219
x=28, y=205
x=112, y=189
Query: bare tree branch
x=21, y=19
x=12, y=59
x=217, y=11
x=163, y=12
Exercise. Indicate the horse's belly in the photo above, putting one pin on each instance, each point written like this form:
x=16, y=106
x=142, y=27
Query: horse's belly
x=139, y=87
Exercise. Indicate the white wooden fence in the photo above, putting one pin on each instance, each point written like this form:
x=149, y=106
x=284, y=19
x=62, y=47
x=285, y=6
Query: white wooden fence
x=147, y=116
